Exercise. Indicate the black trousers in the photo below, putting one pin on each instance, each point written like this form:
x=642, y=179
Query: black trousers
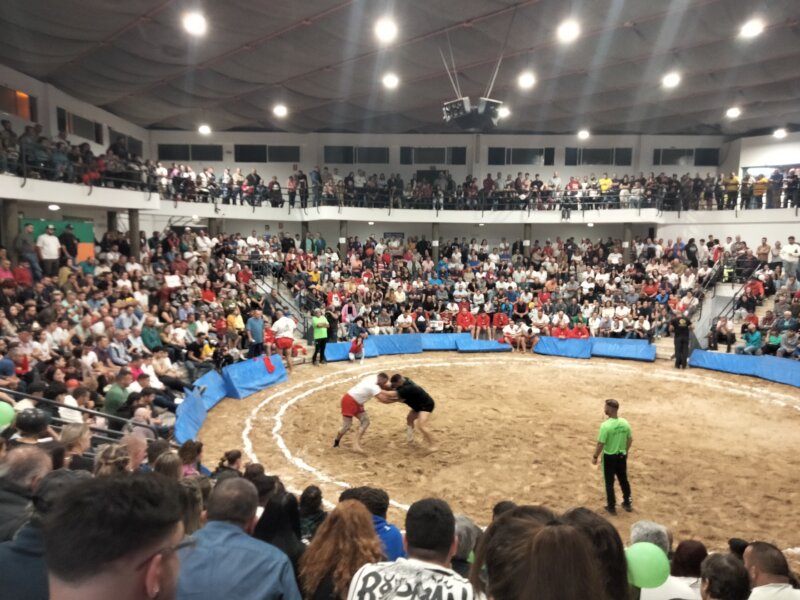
x=319, y=348
x=681, y=351
x=616, y=465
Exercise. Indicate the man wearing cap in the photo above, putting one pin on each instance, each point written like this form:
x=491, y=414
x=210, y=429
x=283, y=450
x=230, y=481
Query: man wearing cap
x=614, y=441
x=49, y=249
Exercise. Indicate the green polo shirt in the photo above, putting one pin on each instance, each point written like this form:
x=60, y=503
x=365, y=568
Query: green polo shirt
x=614, y=435
x=320, y=332
x=115, y=399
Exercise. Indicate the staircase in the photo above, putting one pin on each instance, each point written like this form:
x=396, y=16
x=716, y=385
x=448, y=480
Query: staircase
x=665, y=348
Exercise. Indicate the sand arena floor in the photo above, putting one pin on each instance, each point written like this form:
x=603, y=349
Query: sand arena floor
x=714, y=455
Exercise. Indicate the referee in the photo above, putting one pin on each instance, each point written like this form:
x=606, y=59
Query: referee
x=614, y=441
x=420, y=403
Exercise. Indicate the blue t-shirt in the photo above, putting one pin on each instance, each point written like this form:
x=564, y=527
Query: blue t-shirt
x=256, y=329
x=391, y=538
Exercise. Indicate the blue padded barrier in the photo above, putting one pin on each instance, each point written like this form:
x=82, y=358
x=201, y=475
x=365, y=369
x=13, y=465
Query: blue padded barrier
x=442, y=341
x=189, y=417
x=250, y=376
x=728, y=363
x=215, y=388
x=470, y=345
x=771, y=368
x=399, y=343
x=620, y=348
x=551, y=346
x=338, y=351
x=780, y=370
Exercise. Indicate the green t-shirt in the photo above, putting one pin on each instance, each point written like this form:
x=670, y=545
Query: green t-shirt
x=320, y=327
x=115, y=399
x=614, y=435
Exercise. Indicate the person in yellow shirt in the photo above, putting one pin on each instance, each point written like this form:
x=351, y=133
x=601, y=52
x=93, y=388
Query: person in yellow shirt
x=732, y=190
x=759, y=189
x=236, y=323
x=605, y=184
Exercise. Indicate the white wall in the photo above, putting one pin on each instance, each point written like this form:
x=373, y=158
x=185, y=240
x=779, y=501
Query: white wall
x=767, y=151
x=312, y=151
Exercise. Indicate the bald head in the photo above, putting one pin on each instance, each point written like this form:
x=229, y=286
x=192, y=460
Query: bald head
x=26, y=467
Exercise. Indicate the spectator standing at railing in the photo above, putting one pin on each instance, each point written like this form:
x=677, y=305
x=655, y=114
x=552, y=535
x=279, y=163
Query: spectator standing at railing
x=315, y=182
x=775, y=188
x=731, y=184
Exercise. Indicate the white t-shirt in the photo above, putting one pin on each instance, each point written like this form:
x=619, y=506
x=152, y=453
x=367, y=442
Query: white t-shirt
x=365, y=389
x=66, y=412
x=284, y=327
x=409, y=578
x=49, y=246
x=673, y=587
x=775, y=591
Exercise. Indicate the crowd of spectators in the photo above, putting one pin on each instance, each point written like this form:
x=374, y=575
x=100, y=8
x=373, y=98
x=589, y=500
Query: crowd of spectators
x=563, y=288
x=125, y=335
x=35, y=155
x=159, y=524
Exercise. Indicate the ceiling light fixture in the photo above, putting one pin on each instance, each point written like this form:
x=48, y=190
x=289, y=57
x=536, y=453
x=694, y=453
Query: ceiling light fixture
x=671, y=80
x=503, y=112
x=568, y=31
x=526, y=80
x=195, y=23
x=280, y=110
x=385, y=30
x=779, y=133
x=53, y=207
x=390, y=81
x=734, y=112
x=590, y=224
x=371, y=223
x=752, y=28
x=204, y=129
x=481, y=224
x=583, y=134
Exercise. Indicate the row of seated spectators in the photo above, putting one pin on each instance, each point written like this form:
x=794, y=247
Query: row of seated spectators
x=147, y=521
x=33, y=154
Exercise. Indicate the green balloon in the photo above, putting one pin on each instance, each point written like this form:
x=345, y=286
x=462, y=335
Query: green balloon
x=6, y=414
x=648, y=566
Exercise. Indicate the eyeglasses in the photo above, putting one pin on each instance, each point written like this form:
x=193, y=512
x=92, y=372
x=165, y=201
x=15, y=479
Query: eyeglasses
x=187, y=542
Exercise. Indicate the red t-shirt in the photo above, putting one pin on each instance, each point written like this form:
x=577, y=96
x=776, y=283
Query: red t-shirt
x=482, y=320
x=561, y=333
x=465, y=320
x=500, y=319
x=580, y=333
x=221, y=326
